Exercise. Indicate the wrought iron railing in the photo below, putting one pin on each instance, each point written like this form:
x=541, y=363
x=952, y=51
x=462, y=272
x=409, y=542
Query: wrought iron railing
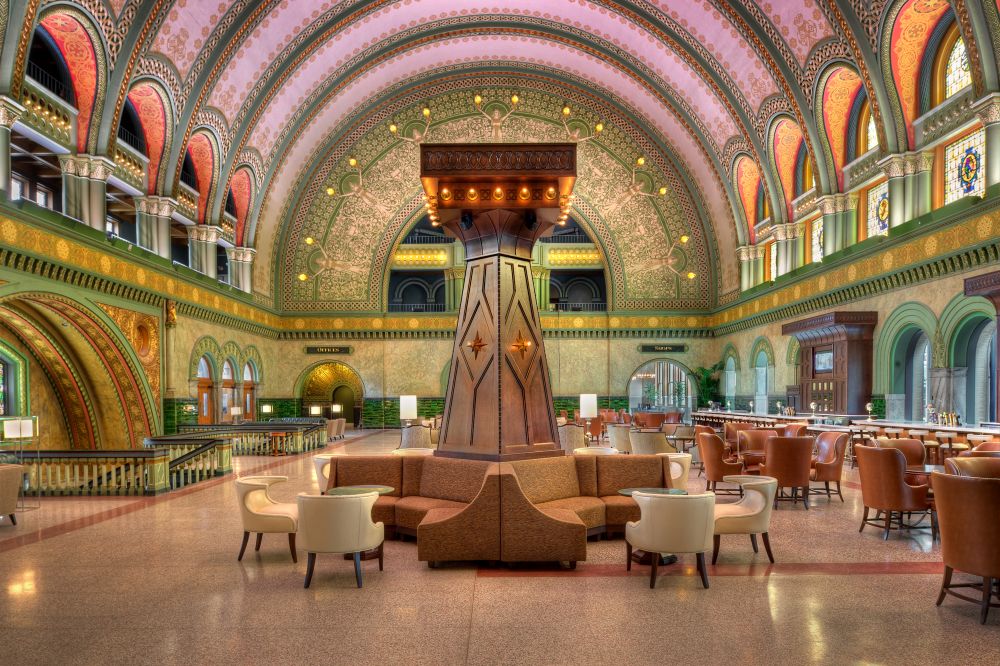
x=416, y=307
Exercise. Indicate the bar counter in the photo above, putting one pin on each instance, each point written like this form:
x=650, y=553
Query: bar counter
x=960, y=431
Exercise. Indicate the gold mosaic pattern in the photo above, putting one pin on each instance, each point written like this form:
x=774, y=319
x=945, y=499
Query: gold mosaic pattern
x=143, y=334
x=324, y=379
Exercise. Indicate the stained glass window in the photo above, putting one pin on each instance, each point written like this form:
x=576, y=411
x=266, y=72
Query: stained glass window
x=772, y=251
x=871, y=134
x=878, y=210
x=964, y=162
x=817, y=240
x=956, y=74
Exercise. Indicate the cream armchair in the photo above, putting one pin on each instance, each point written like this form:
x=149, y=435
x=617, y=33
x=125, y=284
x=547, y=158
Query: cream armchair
x=339, y=524
x=647, y=443
x=671, y=524
x=680, y=469
x=415, y=437
x=751, y=515
x=595, y=451
x=618, y=437
x=322, y=464
x=341, y=428
x=263, y=515
x=11, y=477
x=571, y=437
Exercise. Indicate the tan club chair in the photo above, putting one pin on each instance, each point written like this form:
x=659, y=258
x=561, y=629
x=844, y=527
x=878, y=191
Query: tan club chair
x=678, y=524
x=595, y=451
x=883, y=488
x=618, y=438
x=680, y=469
x=711, y=449
x=967, y=501
x=322, y=464
x=263, y=515
x=751, y=446
x=339, y=524
x=914, y=452
x=649, y=443
x=788, y=461
x=571, y=437
x=414, y=452
x=11, y=477
x=828, y=463
x=795, y=429
x=751, y=515
x=415, y=437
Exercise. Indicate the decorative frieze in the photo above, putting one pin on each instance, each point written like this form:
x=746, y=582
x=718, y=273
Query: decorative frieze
x=205, y=233
x=944, y=119
x=790, y=231
x=893, y=166
x=10, y=111
x=156, y=206
x=241, y=254
x=988, y=109
x=93, y=167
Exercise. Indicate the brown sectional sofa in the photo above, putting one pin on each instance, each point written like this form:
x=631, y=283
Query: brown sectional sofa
x=525, y=511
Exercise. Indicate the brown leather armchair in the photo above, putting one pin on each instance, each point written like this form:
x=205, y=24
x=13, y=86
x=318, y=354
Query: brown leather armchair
x=828, y=463
x=731, y=432
x=884, y=489
x=787, y=460
x=970, y=534
x=988, y=468
x=711, y=449
x=795, y=429
x=914, y=452
x=751, y=447
x=986, y=449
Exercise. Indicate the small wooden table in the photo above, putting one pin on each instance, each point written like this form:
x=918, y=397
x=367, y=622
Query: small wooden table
x=374, y=553
x=277, y=443
x=641, y=556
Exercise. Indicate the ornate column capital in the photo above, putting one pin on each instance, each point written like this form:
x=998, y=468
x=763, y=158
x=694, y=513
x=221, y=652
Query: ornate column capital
x=204, y=233
x=10, y=111
x=893, y=166
x=93, y=167
x=241, y=254
x=828, y=204
x=744, y=253
x=988, y=109
x=913, y=163
x=850, y=201
x=925, y=161
x=155, y=205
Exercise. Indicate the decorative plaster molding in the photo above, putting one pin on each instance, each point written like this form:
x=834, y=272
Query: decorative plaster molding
x=10, y=111
x=155, y=206
x=744, y=253
x=893, y=166
x=828, y=204
x=988, y=109
x=241, y=254
x=87, y=166
x=204, y=233
x=861, y=169
x=804, y=204
x=944, y=118
x=790, y=231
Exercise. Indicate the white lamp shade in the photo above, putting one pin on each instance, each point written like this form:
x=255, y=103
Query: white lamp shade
x=588, y=405
x=18, y=429
x=315, y=410
x=407, y=407
x=336, y=409
x=266, y=409
x=236, y=411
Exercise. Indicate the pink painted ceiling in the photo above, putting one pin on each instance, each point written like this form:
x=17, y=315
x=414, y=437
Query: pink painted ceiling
x=747, y=184
x=786, y=143
x=185, y=30
x=77, y=49
x=914, y=25
x=800, y=22
x=151, y=110
x=203, y=157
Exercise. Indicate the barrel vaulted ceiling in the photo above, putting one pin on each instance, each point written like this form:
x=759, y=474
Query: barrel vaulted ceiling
x=723, y=100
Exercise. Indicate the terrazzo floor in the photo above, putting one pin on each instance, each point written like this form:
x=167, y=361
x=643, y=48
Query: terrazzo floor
x=155, y=580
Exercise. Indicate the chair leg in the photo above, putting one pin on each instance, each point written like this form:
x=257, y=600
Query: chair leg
x=987, y=593
x=628, y=556
x=381, y=556
x=888, y=524
x=246, y=537
x=310, y=565
x=805, y=496
x=839, y=494
x=260, y=535
x=753, y=542
x=934, y=526
x=13, y=520
x=652, y=572
x=702, y=569
x=715, y=548
x=357, y=567
x=864, y=520
x=291, y=546
x=945, y=582
x=767, y=546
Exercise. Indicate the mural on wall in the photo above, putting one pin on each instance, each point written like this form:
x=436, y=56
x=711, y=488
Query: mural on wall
x=630, y=210
x=143, y=334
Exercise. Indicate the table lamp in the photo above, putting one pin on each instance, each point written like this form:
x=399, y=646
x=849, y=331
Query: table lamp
x=407, y=408
x=236, y=413
x=588, y=407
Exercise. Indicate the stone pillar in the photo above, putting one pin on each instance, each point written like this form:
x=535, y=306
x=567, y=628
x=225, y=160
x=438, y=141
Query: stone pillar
x=744, y=254
x=85, y=188
x=203, y=248
x=789, y=243
x=848, y=219
x=541, y=277
x=988, y=110
x=923, y=183
x=152, y=216
x=831, y=223
x=454, y=282
x=169, y=323
x=894, y=167
x=10, y=112
x=241, y=267
x=759, y=251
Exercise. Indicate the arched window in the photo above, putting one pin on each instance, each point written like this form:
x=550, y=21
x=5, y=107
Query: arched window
x=130, y=128
x=871, y=134
x=974, y=352
x=249, y=391
x=762, y=381
x=47, y=66
x=228, y=392
x=729, y=382
x=817, y=239
x=206, y=399
x=957, y=76
x=877, y=218
x=914, y=349
x=188, y=176
x=661, y=385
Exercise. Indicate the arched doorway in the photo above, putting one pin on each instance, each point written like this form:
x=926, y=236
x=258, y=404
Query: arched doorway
x=974, y=355
x=662, y=385
x=206, y=397
x=762, y=382
x=343, y=401
x=318, y=386
x=911, y=365
x=227, y=391
x=249, y=392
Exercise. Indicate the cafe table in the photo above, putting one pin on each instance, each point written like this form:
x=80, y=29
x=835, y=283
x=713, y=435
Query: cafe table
x=641, y=556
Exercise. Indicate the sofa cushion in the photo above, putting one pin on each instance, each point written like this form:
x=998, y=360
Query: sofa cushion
x=586, y=474
x=620, y=509
x=452, y=479
x=384, y=510
x=547, y=479
x=635, y=471
x=411, y=510
x=412, y=469
x=589, y=509
x=370, y=470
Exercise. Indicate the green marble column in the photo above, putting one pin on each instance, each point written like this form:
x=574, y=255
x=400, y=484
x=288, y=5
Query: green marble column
x=10, y=111
x=153, y=223
x=454, y=283
x=203, y=248
x=241, y=267
x=894, y=167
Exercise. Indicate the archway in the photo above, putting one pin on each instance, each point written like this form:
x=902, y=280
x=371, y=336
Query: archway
x=662, y=385
x=344, y=401
x=206, y=393
x=318, y=385
x=911, y=362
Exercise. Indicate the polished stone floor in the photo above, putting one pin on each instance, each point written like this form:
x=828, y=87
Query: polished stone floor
x=155, y=580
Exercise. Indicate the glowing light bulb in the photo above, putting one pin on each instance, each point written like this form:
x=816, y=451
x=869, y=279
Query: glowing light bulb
x=310, y=240
x=330, y=191
x=478, y=100
x=566, y=110
x=427, y=112
x=303, y=277
x=640, y=161
x=685, y=238
x=599, y=128
x=514, y=99
x=663, y=191
x=691, y=275
x=352, y=161
x=393, y=129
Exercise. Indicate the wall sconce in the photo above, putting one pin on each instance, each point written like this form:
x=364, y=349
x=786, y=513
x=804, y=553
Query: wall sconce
x=336, y=409
x=315, y=410
x=266, y=409
x=16, y=429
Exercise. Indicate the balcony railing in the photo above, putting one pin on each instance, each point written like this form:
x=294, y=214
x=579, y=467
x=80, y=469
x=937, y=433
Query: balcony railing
x=580, y=307
x=418, y=238
x=567, y=238
x=52, y=83
x=416, y=307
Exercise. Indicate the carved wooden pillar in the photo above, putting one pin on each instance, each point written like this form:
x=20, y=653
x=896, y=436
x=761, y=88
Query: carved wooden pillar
x=988, y=286
x=498, y=200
